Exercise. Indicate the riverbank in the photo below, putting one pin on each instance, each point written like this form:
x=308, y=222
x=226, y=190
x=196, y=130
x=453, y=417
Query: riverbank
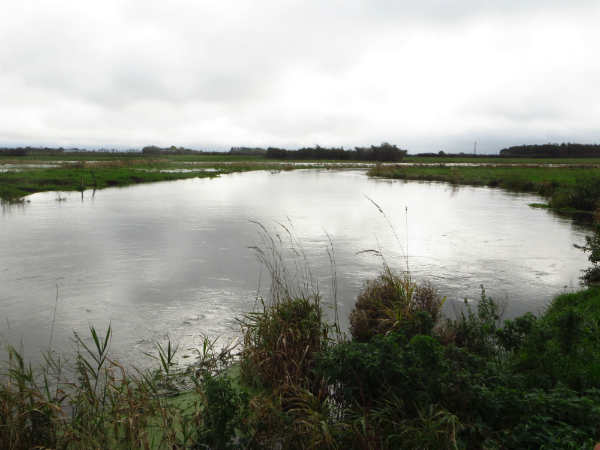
x=569, y=186
x=494, y=159
x=405, y=378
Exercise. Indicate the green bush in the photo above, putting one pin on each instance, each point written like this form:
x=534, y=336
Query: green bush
x=476, y=332
x=224, y=416
x=530, y=384
x=591, y=276
x=564, y=344
x=584, y=195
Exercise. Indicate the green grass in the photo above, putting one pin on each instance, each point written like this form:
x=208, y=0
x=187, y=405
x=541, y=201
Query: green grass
x=586, y=301
x=102, y=173
x=569, y=187
x=503, y=176
x=19, y=184
x=498, y=160
x=215, y=158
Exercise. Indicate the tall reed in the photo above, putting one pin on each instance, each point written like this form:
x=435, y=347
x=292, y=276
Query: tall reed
x=284, y=331
x=93, y=402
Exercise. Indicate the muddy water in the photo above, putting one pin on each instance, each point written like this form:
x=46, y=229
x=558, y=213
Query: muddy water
x=173, y=258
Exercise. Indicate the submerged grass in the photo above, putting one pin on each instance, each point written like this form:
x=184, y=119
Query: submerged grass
x=79, y=173
x=523, y=177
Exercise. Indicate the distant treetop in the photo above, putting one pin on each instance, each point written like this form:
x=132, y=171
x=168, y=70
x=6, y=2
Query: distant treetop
x=384, y=152
x=563, y=150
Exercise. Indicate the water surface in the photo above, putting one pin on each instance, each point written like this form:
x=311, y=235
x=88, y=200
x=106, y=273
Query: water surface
x=173, y=258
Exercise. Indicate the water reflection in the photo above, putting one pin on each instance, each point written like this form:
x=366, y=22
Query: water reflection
x=173, y=258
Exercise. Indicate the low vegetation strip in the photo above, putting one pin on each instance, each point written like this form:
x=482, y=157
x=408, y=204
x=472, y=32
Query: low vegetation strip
x=552, y=178
x=570, y=186
x=99, y=174
x=18, y=184
x=406, y=378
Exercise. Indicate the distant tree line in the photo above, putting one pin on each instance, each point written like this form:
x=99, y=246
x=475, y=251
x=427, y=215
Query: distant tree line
x=48, y=151
x=384, y=152
x=453, y=155
x=172, y=150
x=247, y=151
x=24, y=151
x=563, y=150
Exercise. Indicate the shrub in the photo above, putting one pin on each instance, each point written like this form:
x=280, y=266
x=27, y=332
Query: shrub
x=563, y=345
x=296, y=419
x=226, y=410
x=412, y=368
x=476, y=332
x=591, y=276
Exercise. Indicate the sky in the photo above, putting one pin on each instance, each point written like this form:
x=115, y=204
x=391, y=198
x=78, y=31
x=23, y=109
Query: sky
x=425, y=75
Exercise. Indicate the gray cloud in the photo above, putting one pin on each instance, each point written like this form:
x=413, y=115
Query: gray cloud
x=426, y=75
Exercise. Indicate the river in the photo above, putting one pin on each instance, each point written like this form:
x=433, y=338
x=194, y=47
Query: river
x=173, y=258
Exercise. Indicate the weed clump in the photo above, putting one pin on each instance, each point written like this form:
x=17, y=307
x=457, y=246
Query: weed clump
x=280, y=341
x=389, y=301
x=225, y=415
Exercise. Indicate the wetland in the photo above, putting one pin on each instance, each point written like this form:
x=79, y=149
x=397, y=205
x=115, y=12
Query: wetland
x=109, y=288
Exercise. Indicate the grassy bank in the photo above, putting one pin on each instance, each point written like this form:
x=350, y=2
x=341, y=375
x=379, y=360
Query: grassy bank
x=423, y=384
x=82, y=176
x=99, y=174
x=31, y=159
x=405, y=378
x=574, y=186
x=497, y=160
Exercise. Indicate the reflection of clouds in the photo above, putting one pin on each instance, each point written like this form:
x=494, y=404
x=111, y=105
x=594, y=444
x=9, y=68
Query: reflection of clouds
x=173, y=258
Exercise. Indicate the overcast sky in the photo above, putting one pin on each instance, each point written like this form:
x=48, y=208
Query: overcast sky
x=426, y=75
